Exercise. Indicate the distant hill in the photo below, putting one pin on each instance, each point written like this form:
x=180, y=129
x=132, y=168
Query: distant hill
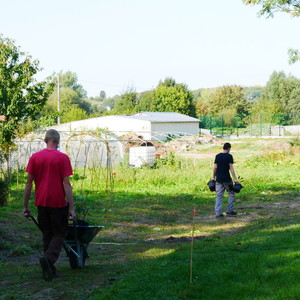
x=251, y=92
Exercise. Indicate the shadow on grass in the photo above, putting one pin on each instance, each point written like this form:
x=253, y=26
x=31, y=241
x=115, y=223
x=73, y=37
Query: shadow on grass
x=263, y=262
x=134, y=268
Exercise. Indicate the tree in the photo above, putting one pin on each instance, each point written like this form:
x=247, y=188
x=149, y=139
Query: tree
x=202, y=108
x=127, y=104
x=294, y=56
x=73, y=114
x=21, y=97
x=170, y=96
x=145, y=101
x=229, y=97
x=269, y=7
x=280, y=96
x=203, y=104
x=227, y=103
x=102, y=94
x=70, y=80
x=71, y=93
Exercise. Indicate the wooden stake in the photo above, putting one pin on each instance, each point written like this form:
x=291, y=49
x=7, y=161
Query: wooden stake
x=192, y=247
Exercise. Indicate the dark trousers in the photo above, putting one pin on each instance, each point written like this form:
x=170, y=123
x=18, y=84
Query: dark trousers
x=53, y=223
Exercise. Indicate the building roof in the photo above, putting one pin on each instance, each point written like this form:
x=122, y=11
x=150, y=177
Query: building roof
x=161, y=117
x=152, y=117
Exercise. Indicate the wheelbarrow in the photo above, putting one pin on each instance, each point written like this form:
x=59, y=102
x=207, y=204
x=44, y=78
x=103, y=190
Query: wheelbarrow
x=76, y=242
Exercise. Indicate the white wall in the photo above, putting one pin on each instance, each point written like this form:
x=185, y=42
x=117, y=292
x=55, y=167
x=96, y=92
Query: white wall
x=161, y=130
x=293, y=129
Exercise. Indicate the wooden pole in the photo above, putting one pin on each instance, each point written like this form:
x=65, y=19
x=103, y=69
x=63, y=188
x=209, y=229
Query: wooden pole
x=192, y=247
x=58, y=100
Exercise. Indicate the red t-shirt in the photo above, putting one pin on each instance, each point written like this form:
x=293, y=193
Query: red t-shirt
x=49, y=167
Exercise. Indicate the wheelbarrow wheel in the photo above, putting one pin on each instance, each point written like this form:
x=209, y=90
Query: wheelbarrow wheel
x=77, y=262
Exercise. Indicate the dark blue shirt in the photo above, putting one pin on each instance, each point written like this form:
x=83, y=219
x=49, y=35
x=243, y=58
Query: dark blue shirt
x=223, y=160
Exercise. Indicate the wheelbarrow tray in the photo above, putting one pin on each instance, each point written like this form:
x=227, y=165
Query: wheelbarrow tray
x=76, y=242
x=85, y=234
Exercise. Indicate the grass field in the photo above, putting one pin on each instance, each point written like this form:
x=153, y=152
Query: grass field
x=144, y=251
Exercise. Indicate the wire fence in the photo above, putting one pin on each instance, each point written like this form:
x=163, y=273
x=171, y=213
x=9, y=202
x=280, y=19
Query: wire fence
x=251, y=125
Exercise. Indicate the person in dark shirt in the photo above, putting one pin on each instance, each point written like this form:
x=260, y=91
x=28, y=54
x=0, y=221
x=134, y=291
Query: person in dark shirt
x=223, y=167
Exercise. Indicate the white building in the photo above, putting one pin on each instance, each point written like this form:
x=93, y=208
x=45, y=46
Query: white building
x=89, y=149
x=156, y=126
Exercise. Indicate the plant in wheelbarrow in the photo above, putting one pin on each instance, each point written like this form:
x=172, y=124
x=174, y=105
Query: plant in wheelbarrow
x=81, y=209
x=79, y=235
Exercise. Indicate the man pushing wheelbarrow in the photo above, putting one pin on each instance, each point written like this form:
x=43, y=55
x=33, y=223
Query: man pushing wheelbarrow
x=50, y=169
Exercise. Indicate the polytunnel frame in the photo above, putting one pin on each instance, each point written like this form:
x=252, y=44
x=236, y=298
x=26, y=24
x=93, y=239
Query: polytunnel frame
x=99, y=137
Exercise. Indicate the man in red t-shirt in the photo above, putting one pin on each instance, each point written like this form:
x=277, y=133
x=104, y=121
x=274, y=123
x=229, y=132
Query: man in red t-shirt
x=50, y=169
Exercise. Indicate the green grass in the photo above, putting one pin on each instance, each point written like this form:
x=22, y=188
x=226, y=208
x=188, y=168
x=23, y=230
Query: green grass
x=144, y=250
x=243, y=266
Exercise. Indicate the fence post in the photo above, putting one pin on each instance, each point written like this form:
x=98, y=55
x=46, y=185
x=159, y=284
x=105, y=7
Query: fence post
x=237, y=125
x=222, y=125
x=260, y=124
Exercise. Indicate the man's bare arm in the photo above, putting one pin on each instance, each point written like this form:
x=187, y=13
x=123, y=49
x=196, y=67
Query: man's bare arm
x=233, y=173
x=27, y=194
x=214, y=172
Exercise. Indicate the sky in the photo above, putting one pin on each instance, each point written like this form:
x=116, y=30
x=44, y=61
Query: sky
x=121, y=45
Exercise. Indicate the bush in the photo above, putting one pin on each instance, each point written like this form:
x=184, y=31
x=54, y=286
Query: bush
x=4, y=192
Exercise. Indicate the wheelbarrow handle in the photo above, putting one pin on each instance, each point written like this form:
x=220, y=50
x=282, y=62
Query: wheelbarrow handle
x=35, y=222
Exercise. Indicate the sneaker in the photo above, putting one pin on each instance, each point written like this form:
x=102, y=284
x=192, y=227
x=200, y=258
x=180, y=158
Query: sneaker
x=47, y=268
x=231, y=213
x=220, y=216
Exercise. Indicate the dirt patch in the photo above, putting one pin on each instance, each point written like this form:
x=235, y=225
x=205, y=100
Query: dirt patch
x=188, y=143
x=183, y=239
x=47, y=294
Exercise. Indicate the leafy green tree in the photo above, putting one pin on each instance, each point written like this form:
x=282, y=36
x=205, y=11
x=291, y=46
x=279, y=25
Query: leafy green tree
x=68, y=97
x=170, y=96
x=294, y=56
x=227, y=102
x=127, y=104
x=21, y=97
x=202, y=108
x=71, y=93
x=70, y=80
x=73, y=114
x=203, y=104
x=280, y=96
x=269, y=7
x=102, y=94
x=145, y=101
x=229, y=97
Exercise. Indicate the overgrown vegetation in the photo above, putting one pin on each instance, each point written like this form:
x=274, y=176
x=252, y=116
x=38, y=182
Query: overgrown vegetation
x=4, y=192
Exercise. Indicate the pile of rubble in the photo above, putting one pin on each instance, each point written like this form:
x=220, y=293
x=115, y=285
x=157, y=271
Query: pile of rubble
x=176, y=145
x=188, y=143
